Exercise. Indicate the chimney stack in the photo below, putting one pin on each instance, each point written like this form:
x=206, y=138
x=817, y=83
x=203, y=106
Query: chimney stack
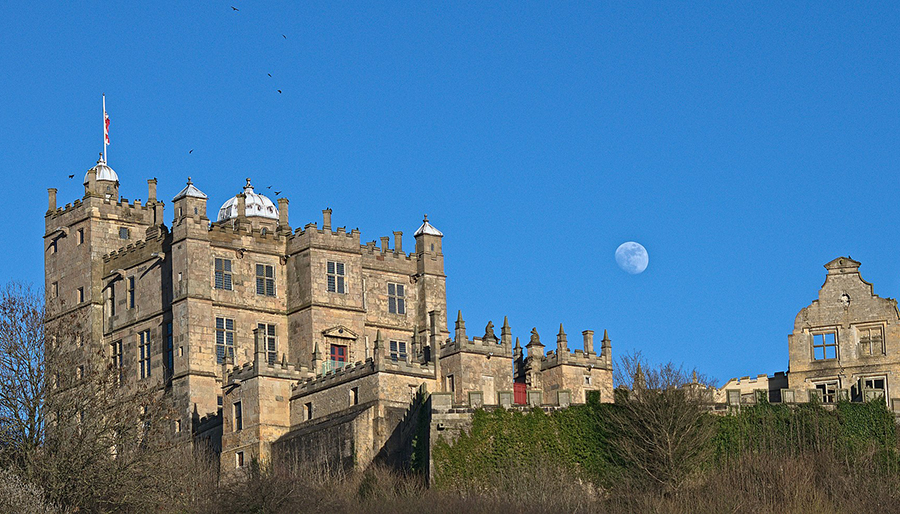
x=242, y=206
x=326, y=219
x=51, y=199
x=588, y=341
x=398, y=241
x=283, y=212
x=151, y=191
x=384, y=244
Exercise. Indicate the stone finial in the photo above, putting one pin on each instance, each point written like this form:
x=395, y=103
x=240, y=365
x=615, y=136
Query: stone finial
x=518, y=346
x=284, y=360
x=639, y=381
x=606, y=344
x=317, y=359
x=379, y=341
x=260, y=350
x=506, y=332
x=489, y=333
x=562, y=343
x=460, y=328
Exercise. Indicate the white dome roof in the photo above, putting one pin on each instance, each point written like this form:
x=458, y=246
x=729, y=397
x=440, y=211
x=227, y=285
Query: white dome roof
x=104, y=172
x=257, y=205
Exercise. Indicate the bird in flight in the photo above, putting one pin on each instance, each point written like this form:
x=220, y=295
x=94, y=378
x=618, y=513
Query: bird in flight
x=285, y=37
x=277, y=193
x=71, y=176
x=269, y=187
x=279, y=91
x=233, y=8
x=269, y=74
x=192, y=150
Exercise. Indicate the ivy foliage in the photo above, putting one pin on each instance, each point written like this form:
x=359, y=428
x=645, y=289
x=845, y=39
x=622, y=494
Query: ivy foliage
x=580, y=439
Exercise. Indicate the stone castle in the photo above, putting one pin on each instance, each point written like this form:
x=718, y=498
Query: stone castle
x=271, y=339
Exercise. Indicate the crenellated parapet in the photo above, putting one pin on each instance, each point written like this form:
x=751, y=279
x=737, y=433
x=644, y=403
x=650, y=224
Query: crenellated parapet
x=488, y=344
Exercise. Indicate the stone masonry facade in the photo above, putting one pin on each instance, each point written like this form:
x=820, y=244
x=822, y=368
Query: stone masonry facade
x=272, y=339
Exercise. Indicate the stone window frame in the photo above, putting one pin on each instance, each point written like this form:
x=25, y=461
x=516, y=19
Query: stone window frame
x=336, y=277
x=269, y=333
x=871, y=351
x=239, y=459
x=354, y=396
x=862, y=393
x=226, y=282
x=238, y=411
x=308, y=411
x=222, y=339
x=54, y=289
x=144, y=353
x=131, y=287
x=80, y=294
x=396, y=293
x=398, y=350
x=334, y=357
x=834, y=344
x=827, y=395
x=169, y=351
x=265, y=284
x=124, y=233
x=79, y=237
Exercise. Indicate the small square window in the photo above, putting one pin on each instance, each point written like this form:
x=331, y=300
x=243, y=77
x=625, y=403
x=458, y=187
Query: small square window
x=131, y=292
x=827, y=391
x=123, y=233
x=587, y=380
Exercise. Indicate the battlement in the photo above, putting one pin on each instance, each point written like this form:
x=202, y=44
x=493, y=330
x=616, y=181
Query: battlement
x=359, y=370
x=372, y=251
x=130, y=250
x=575, y=358
x=263, y=368
x=263, y=235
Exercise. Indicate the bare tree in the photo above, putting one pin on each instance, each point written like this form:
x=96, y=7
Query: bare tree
x=662, y=427
x=71, y=423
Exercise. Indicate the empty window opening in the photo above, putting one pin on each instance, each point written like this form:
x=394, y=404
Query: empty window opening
x=354, y=396
x=239, y=459
x=238, y=417
x=825, y=345
x=80, y=294
x=827, y=391
x=131, y=292
x=307, y=408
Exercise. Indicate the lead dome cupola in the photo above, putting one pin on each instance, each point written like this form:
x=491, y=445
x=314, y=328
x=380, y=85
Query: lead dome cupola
x=256, y=205
x=104, y=172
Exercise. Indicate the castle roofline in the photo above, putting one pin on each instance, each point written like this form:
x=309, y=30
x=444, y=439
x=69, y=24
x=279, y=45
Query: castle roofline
x=427, y=228
x=190, y=191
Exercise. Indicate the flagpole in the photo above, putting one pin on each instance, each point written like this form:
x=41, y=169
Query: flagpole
x=104, y=127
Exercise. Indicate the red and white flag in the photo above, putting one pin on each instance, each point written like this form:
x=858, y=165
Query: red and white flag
x=106, y=126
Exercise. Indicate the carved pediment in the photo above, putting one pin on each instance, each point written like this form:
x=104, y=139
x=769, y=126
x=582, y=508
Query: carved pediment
x=340, y=332
x=842, y=263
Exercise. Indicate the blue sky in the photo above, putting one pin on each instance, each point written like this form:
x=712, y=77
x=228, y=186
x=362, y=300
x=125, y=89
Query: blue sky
x=744, y=144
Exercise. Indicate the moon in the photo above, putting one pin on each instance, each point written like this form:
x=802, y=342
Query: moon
x=632, y=257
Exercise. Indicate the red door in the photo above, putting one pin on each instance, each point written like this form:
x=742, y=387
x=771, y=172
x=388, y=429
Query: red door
x=519, y=395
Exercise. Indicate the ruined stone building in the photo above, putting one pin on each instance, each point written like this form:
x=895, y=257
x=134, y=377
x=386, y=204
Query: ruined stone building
x=270, y=338
x=844, y=346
